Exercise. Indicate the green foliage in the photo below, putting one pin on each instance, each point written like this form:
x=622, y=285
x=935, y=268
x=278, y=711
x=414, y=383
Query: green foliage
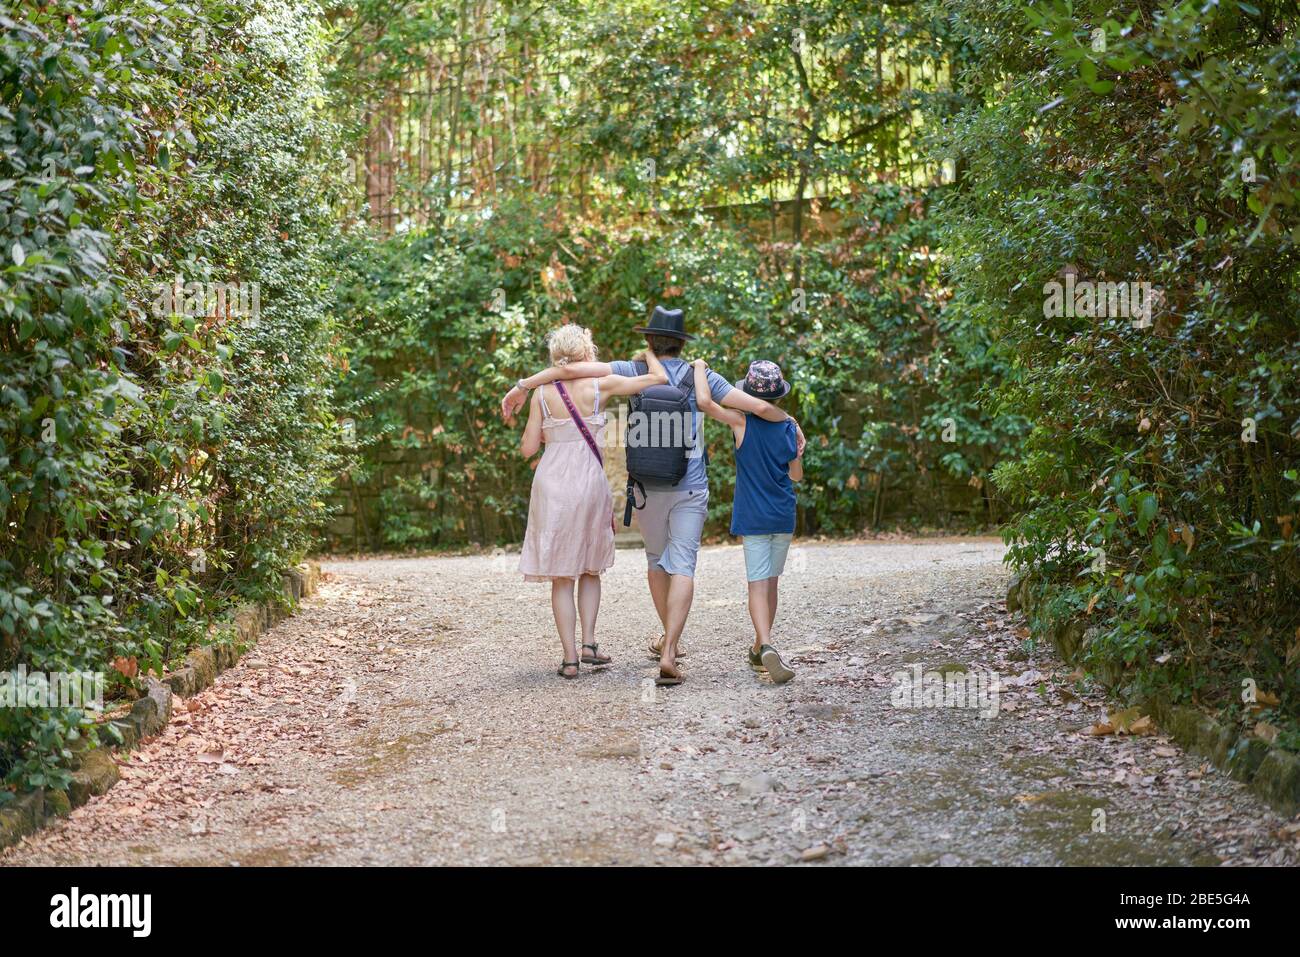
x=1171, y=448
x=875, y=375
x=746, y=100
x=640, y=113
x=427, y=358
x=155, y=461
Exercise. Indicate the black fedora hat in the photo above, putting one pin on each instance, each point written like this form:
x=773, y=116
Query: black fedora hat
x=666, y=322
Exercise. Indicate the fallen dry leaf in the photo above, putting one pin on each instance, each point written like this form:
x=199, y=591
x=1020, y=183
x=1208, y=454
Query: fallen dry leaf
x=1121, y=720
x=1266, y=731
x=1143, y=725
x=127, y=667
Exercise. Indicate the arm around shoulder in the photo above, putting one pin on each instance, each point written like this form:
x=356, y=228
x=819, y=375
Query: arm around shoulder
x=705, y=402
x=571, y=370
x=744, y=402
x=655, y=374
x=514, y=400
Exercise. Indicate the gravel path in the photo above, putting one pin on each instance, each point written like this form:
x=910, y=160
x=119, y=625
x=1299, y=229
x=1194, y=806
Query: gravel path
x=410, y=714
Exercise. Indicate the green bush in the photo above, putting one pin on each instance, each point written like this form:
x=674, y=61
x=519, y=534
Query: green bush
x=1119, y=147
x=877, y=374
x=156, y=461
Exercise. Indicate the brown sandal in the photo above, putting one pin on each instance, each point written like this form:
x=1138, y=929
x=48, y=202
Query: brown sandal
x=668, y=678
x=565, y=665
x=595, y=658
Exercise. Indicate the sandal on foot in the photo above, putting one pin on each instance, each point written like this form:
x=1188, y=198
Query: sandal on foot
x=595, y=658
x=669, y=678
x=656, y=647
x=564, y=665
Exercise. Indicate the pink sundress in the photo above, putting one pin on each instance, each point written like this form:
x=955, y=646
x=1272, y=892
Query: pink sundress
x=569, y=529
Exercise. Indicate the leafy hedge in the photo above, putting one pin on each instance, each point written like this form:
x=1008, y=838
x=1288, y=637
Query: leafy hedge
x=1158, y=491
x=157, y=460
x=445, y=320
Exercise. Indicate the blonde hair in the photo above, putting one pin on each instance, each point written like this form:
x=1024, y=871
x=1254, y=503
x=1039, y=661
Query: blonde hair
x=571, y=343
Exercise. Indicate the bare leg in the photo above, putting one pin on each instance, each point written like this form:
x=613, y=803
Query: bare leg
x=588, y=607
x=659, y=581
x=566, y=616
x=759, y=612
x=762, y=609
x=771, y=605
x=681, y=592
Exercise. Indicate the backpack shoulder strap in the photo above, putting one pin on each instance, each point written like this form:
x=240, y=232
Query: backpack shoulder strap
x=687, y=382
x=682, y=383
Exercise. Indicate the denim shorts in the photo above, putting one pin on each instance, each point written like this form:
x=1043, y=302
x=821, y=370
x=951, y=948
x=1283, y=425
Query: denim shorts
x=671, y=524
x=765, y=555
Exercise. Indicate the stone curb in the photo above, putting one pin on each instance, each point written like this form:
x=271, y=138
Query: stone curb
x=1271, y=772
x=93, y=769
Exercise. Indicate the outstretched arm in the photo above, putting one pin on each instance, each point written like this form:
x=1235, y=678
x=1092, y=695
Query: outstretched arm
x=742, y=401
x=655, y=374
x=704, y=398
x=572, y=370
x=514, y=399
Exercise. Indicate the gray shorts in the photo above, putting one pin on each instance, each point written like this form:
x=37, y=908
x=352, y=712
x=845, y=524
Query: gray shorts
x=671, y=524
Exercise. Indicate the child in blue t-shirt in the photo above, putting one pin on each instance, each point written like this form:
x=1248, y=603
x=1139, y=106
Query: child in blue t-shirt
x=768, y=461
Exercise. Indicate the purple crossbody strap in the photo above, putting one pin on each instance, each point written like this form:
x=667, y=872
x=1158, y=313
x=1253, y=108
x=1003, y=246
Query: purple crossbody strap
x=577, y=420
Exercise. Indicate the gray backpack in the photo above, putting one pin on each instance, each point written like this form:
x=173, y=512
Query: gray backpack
x=660, y=436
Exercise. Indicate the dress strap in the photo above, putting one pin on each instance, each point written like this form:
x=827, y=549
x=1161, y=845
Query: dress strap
x=545, y=411
x=596, y=408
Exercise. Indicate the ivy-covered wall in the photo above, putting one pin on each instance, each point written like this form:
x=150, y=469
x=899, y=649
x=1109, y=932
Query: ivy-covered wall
x=446, y=320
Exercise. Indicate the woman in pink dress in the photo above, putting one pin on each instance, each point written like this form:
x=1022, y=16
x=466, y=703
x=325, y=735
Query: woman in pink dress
x=570, y=534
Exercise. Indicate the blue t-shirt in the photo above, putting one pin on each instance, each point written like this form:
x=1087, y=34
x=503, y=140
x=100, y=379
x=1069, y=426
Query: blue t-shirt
x=764, y=502
x=678, y=370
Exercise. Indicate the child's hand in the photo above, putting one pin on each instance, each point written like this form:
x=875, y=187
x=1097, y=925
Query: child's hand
x=800, y=441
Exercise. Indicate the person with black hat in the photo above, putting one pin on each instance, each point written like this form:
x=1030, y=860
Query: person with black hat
x=672, y=519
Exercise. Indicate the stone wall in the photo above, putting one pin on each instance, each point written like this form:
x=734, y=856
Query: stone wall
x=935, y=498
x=358, y=521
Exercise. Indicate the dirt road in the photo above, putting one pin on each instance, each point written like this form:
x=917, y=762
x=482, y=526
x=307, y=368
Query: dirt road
x=410, y=714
